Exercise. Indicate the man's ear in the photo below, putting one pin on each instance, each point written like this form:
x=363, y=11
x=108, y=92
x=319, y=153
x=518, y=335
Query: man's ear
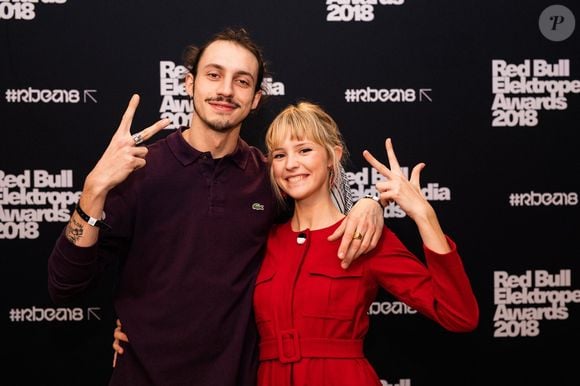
x=189, y=84
x=256, y=101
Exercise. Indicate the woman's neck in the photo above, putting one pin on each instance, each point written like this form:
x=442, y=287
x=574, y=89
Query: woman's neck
x=315, y=215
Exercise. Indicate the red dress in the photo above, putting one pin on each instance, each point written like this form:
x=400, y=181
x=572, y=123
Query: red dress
x=312, y=314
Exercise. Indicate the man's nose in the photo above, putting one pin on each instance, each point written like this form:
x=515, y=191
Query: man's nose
x=226, y=87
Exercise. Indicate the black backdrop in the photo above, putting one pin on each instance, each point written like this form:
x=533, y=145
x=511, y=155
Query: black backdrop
x=486, y=93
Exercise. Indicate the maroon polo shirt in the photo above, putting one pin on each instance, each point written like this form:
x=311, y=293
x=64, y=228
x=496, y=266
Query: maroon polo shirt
x=190, y=233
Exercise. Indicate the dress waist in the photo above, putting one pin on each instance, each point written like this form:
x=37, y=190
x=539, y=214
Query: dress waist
x=288, y=347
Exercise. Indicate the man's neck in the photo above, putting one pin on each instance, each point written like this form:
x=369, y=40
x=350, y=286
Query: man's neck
x=204, y=139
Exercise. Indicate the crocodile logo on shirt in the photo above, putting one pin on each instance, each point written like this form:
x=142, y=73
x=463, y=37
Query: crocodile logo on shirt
x=257, y=206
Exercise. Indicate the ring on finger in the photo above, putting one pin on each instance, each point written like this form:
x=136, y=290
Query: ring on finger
x=137, y=138
x=357, y=236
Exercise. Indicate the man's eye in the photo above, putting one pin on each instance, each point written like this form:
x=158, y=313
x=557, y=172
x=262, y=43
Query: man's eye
x=244, y=82
x=212, y=75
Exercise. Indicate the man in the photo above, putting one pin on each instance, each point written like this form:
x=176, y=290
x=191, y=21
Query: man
x=188, y=218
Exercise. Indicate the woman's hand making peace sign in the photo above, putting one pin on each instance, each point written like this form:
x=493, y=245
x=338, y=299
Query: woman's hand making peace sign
x=407, y=194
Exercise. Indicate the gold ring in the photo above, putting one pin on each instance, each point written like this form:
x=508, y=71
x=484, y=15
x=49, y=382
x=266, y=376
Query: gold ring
x=357, y=236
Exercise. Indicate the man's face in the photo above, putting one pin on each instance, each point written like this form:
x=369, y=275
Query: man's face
x=223, y=89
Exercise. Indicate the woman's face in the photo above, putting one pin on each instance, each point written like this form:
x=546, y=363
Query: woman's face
x=301, y=168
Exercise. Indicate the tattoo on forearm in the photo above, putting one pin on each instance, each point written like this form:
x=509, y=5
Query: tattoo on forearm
x=74, y=231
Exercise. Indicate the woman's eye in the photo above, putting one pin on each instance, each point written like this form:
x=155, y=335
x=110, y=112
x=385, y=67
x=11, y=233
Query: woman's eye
x=278, y=156
x=306, y=150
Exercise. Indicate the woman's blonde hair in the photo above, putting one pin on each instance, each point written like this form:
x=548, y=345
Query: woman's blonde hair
x=306, y=120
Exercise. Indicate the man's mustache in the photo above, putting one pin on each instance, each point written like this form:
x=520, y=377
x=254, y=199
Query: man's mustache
x=222, y=99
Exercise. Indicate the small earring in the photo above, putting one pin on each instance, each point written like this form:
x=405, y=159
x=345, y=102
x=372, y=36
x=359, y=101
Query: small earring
x=330, y=178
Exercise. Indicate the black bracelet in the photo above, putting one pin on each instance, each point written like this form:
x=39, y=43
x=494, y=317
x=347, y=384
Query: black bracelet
x=375, y=198
x=91, y=220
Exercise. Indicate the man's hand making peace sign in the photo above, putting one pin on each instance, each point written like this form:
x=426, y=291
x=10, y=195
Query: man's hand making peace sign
x=122, y=156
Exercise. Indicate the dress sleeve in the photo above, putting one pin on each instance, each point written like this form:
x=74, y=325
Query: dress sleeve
x=438, y=289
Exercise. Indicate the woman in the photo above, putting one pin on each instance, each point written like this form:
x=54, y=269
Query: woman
x=311, y=313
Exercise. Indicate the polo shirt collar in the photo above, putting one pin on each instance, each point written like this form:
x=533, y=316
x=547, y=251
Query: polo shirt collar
x=186, y=154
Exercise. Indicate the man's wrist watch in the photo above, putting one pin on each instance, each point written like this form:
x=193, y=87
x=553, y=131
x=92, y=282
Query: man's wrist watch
x=91, y=220
x=373, y=197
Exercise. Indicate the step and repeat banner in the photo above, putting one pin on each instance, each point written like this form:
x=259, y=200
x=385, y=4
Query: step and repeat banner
x=486, y=93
